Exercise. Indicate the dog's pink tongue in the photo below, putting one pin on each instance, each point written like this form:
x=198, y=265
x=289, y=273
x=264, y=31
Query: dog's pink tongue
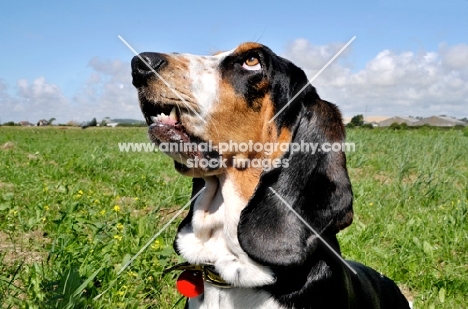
x=164, y=119
x=169, y=121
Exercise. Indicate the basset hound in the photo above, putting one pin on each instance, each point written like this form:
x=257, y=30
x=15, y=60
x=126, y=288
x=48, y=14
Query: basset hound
x=263, y=221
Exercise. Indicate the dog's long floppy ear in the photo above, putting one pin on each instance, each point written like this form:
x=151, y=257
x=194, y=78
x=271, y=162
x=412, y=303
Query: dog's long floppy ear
x=316, y=185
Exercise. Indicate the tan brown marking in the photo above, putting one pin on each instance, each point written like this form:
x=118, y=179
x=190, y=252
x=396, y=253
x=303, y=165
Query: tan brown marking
x=233, y=119
x=245, y=180
x=245, y=47
x=270, y=133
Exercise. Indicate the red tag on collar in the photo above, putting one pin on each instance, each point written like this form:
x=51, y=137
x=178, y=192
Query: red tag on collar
x=190, y=283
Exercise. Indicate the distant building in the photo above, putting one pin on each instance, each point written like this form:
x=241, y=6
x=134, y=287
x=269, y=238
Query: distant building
x=106, y=120
x=26, y=124
x=440, y=121
x=367, y=119
x=398, y=119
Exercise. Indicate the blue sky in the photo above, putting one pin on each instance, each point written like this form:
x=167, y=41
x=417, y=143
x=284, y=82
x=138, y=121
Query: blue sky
x=65, y=60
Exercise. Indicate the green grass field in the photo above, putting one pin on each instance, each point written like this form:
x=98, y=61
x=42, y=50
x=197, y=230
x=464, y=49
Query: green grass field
x=74, y=210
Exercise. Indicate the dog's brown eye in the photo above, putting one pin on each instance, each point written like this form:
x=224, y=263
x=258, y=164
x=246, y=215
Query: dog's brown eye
x=252, y=63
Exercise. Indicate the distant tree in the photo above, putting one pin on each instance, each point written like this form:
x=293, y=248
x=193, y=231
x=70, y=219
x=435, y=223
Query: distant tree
x=367, y=126
x=394, y=126
x=357, y=120
x=87, y=124
x=73, y=123
x=51, y=120
x=464, y=119
x=349, y=125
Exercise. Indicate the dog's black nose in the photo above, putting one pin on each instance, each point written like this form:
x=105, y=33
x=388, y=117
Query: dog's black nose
x=144, y=66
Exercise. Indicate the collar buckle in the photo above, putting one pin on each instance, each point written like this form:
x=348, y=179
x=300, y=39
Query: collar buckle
x=208, y=272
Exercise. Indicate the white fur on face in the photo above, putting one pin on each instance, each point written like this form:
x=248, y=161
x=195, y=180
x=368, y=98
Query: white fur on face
x=205, y=86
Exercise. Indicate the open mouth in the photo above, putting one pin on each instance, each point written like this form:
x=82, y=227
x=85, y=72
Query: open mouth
x=165, y=126
x=151, y=110
x=168, y=132
x=171, y=119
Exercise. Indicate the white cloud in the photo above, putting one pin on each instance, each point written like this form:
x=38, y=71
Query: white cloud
x=108, y=92
x=39, y=91
x=312, y=58
x=454, y=57
x=391, y=83
x=33, y=101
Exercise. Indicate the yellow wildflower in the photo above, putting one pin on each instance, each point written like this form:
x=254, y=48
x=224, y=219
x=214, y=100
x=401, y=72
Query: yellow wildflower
x=132, y=273
x=156, y=245
x=116, y=208
x=79, y=194
x=118, y=237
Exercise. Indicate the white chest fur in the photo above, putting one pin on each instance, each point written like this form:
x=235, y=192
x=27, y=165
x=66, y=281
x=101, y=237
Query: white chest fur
x=212, y=238
x=236, y=298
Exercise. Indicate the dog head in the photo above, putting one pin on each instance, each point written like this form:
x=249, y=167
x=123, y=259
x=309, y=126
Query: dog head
x=251, y=97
